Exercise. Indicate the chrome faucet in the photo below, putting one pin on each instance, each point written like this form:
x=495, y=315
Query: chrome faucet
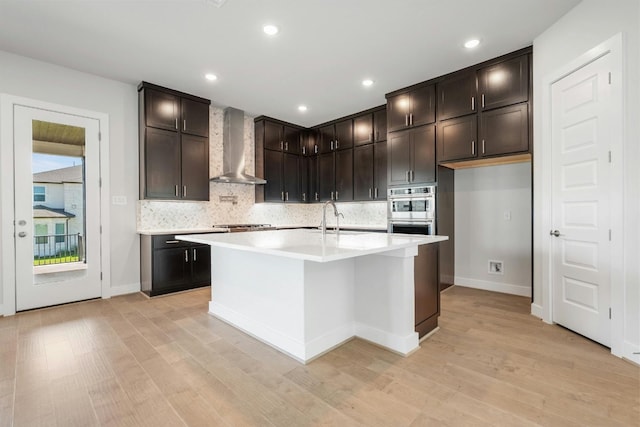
x=337, y=214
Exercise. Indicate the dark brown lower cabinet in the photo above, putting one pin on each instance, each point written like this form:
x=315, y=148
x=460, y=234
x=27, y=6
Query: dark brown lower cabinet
x=427, y=292
x=170, y=265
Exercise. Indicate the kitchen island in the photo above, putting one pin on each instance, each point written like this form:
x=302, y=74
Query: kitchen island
x=306, y=293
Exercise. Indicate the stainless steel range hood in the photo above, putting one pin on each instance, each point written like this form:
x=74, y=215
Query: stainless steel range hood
x=233, y=151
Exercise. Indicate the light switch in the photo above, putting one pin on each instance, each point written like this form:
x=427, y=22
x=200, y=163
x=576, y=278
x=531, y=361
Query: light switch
x=507, y=215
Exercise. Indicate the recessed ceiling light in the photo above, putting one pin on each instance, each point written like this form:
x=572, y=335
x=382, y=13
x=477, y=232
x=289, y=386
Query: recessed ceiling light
x=210, y=77
x=270, y=30
x=470, y=44
x=367, y=82
x=302, y=108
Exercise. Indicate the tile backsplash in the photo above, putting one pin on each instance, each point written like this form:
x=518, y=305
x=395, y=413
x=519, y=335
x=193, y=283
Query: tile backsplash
x=241, y=206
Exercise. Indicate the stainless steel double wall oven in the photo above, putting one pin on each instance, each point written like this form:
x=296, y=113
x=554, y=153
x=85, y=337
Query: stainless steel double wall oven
x=412, y=210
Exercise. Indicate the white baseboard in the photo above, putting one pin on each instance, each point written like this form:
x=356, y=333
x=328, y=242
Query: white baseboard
x=505, y=288
x=537, y=310
x=403, y=345
x=632, y=352
x=130, y=288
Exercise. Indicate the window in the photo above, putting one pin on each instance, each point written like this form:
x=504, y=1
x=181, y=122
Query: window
x=38, y=193
x=60, y=233
x=41, y=233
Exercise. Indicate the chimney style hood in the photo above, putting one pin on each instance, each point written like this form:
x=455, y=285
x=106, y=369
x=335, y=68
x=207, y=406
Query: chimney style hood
x=233, y=150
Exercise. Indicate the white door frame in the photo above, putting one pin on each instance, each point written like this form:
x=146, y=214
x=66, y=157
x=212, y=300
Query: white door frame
x=614, y=47
x=7, y=208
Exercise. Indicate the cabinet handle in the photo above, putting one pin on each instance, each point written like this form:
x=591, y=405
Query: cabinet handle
x=281, y=145
x=337, y=195
x=176, y=192
x=286, y=146
x=332, y=196
x=184, y=191
x=286, y=196
x=315, y=149
x=473, y=147
x=370, y=193
x=411, y=119
x=171, y=242
x=473, y=103
x=304, y=196
x=483, y=146
x=194, y=255
x=331, y=145
x=406, y=120
x=483, y=100
x=337, y=143
x=375, y=193
x=304, y=150
x=176, y=123
x=282, y=196
x=186, y=255
x=317, y=198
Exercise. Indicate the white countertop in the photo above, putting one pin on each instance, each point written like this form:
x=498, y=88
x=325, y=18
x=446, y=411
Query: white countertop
x=311, y=244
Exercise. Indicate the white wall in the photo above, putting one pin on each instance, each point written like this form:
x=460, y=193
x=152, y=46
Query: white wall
x=587, y=25
x=482, y=198
x=28, y=78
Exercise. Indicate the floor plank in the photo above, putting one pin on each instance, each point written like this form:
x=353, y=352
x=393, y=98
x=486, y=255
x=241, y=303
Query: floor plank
x=135, y=361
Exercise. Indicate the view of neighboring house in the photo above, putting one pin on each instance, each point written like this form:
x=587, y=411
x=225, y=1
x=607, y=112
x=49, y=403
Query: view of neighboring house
x=58, y=211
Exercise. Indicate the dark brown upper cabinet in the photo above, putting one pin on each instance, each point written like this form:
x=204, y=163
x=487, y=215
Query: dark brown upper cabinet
x=415, y=107
x=370, y=172
x=336, y=136
x=457, y=138
x=363, y=130
x=380, y=125
x=281, y=137
x=457, y=95
x=283, y=172
x=411, y=156
x=174, y=144
x=504, y=130
x=344, y=175
x=505, y=83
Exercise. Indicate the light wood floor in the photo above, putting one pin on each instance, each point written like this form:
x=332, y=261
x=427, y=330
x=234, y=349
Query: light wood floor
x=164, y=362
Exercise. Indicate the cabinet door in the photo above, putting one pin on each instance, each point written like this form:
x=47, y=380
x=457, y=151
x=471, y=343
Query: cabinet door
x=457, y=95
x=310, y=142
x=380, y=170
x=161, y=109
x=200, y=264
x=291, y=139
x=171, y=268
x=504, y=84
x=423, y=106
x=427, y=294
x=363, y=129
x=344, y=175
x=457, y=138
x=344, y=135
x=504, y=130
x=363, y=164
x=291, y=177
x=326, y=177
x=398, y=108
x=314, y=190
x=195, y=118
x=380, y=125
x=399, y=157
x=272, y=135
x=326, y=140
x=162, y=164
x=273, y=189
x=423, y=141
x=195, y=168
x=304, y=179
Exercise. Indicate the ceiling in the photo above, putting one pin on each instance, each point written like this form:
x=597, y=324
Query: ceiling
x=324, y=49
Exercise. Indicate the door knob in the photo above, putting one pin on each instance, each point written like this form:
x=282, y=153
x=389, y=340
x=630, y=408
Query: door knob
x=555, y=233
x=22, y=234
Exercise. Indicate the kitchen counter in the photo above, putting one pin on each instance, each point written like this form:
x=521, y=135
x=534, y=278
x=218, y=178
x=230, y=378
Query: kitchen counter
x=305, y=294
x=158, y=232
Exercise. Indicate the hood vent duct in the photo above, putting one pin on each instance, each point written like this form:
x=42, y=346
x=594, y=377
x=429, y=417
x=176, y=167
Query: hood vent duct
x=233, y=151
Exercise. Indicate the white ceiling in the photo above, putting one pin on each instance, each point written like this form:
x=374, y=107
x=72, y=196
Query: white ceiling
x=323, y=51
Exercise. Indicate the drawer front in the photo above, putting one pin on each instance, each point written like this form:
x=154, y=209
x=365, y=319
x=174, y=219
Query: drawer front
x=168, y=241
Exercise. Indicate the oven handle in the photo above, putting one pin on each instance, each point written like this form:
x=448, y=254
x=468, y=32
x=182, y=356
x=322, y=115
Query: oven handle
x=409, y=199
x=411, y=223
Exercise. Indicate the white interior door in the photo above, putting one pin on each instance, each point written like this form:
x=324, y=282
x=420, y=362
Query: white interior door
x=57, y=207
x=581, y=138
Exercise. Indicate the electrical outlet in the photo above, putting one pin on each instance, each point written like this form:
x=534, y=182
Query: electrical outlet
x=495, y=267
x=507, y=215
x=119, y=200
